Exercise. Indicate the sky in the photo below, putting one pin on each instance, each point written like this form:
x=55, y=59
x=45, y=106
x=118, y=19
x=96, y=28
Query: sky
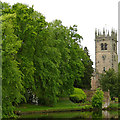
x=88, y=15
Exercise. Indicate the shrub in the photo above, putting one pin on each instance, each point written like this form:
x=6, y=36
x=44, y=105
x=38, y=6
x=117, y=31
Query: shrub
x=78, y=96
x=116, y=99
x=97, y=99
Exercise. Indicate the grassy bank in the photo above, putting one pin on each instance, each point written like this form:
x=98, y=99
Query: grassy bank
x=114, y=106
x=63, y=105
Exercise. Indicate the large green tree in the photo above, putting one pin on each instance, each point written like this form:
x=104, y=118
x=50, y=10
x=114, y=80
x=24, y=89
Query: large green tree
x=12, y=87
x=46, y=61
x=25, y=30
x=39, y=58
x=59, y=37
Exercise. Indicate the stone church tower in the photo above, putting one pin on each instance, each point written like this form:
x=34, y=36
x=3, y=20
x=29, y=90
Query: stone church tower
x=105, y=55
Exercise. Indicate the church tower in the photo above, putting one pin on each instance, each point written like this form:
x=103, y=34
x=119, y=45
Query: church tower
x=105, y=51
x=105, y=55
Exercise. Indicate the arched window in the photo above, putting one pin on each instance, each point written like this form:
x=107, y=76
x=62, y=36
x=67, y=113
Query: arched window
x=102, y=48
x=105, y=46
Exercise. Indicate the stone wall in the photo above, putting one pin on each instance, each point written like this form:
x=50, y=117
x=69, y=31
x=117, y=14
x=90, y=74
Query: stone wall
x=90, y=93
x=106, y=58
x=105, y=55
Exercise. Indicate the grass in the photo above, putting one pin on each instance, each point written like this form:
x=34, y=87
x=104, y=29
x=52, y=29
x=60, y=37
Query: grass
x=61, y=105
x=64, y=107
x=114, y=105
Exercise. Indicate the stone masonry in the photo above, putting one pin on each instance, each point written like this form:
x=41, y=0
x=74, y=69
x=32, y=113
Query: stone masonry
x=105, y=55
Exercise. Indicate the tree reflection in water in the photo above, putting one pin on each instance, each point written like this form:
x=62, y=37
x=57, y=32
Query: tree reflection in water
x=78, y=115
x=97, y=115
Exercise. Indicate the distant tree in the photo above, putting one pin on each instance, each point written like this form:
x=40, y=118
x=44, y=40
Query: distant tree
x=76, y=57
x=86, y=80
x=109, y=81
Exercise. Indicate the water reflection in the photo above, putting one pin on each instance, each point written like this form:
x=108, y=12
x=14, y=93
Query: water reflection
x=76, y=115
x=106, y=114
x=97, y=115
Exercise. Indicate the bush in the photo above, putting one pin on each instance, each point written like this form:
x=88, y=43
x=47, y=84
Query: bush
x=97, y=99
x=116, y=99
x=78, y=96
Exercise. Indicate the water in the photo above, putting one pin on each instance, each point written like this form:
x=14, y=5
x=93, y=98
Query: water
x=76, y=115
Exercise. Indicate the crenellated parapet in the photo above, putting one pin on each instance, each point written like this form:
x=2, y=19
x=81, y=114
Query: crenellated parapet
x=106, y=34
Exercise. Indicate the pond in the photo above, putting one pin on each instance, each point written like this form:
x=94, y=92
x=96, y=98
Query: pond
x=76, y=115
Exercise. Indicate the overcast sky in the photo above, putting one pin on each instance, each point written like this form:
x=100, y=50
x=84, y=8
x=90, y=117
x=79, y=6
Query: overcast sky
x=87, y=14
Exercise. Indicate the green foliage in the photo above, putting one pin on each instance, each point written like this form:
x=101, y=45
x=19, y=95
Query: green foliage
x=76, y=54
x=11, y=75
x=114, y=106
x=116, y=99
x=46, y=62
x=86, y=80
x=109, y=81
x=78, y=96
x=26, y=31
x=97, y=99
x=39, y=58
x=97, y=115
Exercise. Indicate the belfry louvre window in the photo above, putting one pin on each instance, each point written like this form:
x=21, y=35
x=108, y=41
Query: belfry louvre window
x=104, y=46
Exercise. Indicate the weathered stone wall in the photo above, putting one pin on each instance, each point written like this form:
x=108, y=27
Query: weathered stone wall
x=105, y=57
x=90, y=93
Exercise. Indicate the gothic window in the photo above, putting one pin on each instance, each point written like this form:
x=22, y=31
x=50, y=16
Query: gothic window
x=102, y=48
x=105, y=46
